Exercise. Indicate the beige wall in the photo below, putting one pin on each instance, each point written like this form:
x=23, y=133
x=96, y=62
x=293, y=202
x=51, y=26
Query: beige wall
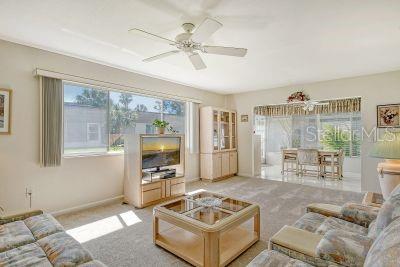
x=78, y=181
x=374, y=89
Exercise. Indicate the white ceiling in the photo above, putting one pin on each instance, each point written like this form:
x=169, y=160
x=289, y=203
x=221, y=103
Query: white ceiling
x=288, y=41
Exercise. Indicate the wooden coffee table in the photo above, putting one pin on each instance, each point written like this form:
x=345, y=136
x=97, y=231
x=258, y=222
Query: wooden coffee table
x=205, y=236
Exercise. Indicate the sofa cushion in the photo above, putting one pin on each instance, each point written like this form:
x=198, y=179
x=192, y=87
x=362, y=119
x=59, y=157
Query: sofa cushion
x=385, y=251
x=63, y=250
x=389, y=211
x=359, y=213
x=27, y=255
x=270, y=258
x=43, y=225
x=333, y=223
x=372, y=230
x=395, y=191
x=345, y=248
x=310, y=221
x=13, y=235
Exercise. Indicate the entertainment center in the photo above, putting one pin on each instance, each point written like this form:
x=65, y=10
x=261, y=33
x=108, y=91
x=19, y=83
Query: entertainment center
x=154, y=168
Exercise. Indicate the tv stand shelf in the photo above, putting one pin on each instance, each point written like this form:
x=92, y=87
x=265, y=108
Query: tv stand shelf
x=162, y=189
x=142, y=188
x=155, y=180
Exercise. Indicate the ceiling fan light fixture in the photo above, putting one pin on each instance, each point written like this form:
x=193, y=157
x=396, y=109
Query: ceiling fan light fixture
x=191, y=42
x=188, y=27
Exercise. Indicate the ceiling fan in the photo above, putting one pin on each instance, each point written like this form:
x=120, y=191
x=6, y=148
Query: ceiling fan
x=191, y=43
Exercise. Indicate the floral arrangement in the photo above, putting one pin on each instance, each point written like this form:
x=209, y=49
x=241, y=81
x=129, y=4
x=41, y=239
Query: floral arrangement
x=298, y=96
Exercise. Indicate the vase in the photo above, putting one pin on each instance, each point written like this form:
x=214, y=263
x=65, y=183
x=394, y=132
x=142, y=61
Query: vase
x=160, y=130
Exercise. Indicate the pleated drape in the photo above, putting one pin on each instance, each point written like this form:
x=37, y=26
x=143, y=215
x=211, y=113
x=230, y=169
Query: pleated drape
x=331, y=106
x=51, y=122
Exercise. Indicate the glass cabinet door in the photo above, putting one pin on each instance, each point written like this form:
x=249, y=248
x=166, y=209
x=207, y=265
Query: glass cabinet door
x=225, y=140
x=215, y=130
x=233, y=120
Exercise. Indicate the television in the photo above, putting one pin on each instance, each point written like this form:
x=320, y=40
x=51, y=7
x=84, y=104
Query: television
x=160, y=151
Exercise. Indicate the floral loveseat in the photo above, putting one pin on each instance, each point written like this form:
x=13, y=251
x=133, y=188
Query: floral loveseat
x=37, y=239
x=328, y=235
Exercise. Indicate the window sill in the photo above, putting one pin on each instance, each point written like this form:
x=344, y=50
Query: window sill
x=88, y=155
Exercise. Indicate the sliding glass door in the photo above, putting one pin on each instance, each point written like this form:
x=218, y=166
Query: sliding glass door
x=328, y=132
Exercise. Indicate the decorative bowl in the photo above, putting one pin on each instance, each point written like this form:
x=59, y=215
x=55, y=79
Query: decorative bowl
x=208, y=202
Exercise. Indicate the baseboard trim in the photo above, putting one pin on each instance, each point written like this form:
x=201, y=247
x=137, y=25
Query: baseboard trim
x=87, y=205
x=245, y=174
x=192, y=180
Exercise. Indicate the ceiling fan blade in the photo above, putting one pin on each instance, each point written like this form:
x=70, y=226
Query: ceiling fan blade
x=151, y=36
x=197, y=62
x=166, y=54
x=227, y=51
x=205, y=30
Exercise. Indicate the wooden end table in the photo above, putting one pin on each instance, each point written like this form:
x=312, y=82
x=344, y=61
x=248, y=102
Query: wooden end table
x=373, y=199
x=206, y=236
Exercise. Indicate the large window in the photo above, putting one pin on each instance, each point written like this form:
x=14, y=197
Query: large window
x=85, y=119
x=327, y=131
x=95, y=120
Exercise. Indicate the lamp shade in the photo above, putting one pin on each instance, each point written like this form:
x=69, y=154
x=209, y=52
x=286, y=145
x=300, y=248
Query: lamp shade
x=388, y=147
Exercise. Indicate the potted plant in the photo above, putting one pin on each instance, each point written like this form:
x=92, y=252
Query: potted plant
x=160, y=125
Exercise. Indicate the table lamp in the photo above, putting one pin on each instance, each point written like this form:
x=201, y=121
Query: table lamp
x=389, y=171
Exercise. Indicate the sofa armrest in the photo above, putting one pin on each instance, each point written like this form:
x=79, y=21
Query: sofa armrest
x=359, y=213
x=19, y=217
x=344, y=248
x=325, y=209
x=297, y=240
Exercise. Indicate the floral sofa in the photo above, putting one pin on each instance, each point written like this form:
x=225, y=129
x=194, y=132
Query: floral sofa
x=328, y=235
x=37, y=239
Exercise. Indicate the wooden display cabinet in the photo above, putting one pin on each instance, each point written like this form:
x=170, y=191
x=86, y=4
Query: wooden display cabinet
x=218, y=143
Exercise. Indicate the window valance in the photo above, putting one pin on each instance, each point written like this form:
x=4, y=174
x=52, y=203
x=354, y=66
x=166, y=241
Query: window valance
x=330, y=106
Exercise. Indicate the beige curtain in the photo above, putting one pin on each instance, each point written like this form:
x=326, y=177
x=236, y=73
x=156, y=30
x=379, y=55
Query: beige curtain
x=51, y=123
x=193, y=117
x=332, y=106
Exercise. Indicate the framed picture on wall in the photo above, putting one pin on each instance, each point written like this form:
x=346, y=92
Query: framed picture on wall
x=5, y=111
x=244, y=118
x=388, y=115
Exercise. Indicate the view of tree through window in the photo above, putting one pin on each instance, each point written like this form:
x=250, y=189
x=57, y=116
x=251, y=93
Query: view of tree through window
x=96, y=120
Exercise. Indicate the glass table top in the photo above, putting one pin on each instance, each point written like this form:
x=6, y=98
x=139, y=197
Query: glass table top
x=190, y=207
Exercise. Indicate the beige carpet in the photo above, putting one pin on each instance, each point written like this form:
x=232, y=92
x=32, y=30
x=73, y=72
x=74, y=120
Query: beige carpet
x=120, y=240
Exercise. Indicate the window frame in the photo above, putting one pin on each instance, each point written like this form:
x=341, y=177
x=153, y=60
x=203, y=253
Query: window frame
x=109, y=151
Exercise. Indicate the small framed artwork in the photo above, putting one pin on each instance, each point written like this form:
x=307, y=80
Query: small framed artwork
x=5, y=111
x=388, y=115
x=244, y=118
